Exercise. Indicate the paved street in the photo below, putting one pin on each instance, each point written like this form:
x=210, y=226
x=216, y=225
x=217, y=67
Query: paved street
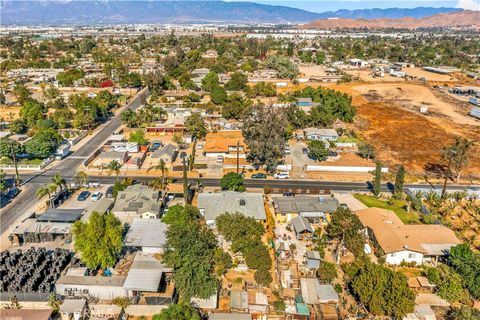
x=67, y=167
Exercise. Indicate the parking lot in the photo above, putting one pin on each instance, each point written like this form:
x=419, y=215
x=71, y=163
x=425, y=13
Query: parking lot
x=74, y=203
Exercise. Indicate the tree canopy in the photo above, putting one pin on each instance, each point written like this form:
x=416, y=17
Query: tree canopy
x=196, y=126
x=181, y=311
x=317, y=150
x=99, y=240
x=232, y=182
x=467, y=263
x=346, y=226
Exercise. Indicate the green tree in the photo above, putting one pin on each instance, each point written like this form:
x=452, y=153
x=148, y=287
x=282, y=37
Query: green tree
x=283, y=65
x=43, y=143
x=18, y=126
x=467, y=263
x=210, y=81
x=190, y=251
x=366, y=150
x=54, y=302
x=138, y=137
x=32, y=111
x=196, y=126
x=21, y=92
x=463, y=313
x=317, y=150
x=81, y=178
x=162, y=166
x=237, y=82
x=264, y=133
x=59, y=182
x=327, y=271
x=99, y=240
x=3, y=181
x=223, y=262
x=399, y=180
x=114, y=167
x=377, y=179
x=345, y=226
x=457, y=155
x=181, y=311
x=218, y=95
x=9, y=149
x=46, y=190
x=449, y=284
x=232, y=182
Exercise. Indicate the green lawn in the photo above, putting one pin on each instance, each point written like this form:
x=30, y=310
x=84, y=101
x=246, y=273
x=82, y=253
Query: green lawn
x=370, y=201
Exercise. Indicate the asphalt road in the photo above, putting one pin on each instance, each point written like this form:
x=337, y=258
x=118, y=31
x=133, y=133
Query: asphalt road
x=66, y=167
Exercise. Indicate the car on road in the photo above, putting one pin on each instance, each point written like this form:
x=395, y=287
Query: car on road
x=281, y=175
x=259, y=176
x=109, y=192
x=83, y=195
x=305, y=150
x=96, y=196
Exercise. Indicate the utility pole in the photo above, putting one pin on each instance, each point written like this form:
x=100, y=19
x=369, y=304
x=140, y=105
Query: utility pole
x=238, y=156
x=447, y=174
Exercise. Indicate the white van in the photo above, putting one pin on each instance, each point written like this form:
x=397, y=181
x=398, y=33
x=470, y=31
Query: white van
x=281, y=175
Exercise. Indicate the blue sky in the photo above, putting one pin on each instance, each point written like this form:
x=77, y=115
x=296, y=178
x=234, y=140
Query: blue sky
x=329, y=5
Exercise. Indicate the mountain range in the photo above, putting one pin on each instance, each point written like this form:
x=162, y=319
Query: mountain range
x=55, y=12
x=452, y=19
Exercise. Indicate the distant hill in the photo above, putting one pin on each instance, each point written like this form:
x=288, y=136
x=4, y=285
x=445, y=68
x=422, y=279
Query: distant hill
x=453, y=19
x=54, y=12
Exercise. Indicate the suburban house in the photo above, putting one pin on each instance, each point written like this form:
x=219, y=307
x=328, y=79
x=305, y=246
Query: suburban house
x=201, y=72
x=312, y=259
x=147, y=235
x=212, y=205
x=398, y=242
x=358, y=63
x=168, y=153
x=320, y=134
x=224, y=143
x=137, y=201
x=105, y=157
x=314, y=208
x=315, y=293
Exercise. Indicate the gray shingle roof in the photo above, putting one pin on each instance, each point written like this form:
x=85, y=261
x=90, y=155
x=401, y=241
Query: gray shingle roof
x=137, y=198
x=299, y=204
x=169, y=150
x=212, y=205
x=301, y=224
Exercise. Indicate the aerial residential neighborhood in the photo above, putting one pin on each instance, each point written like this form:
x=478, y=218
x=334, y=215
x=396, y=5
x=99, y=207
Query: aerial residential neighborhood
x=220, y=160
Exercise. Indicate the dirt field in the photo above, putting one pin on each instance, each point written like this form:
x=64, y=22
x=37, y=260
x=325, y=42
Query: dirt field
x=402, y=136
x=312, y=70
x=9, y=113
x=429, y=76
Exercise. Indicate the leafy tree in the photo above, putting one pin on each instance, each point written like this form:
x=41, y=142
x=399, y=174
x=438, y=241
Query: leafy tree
x=263, y=275
x=283, y=65
x=235, y=106
x=381, y=290
x=457, y=155
x=467, y=263
x=366, y=150
x=68, y=77
x=237, y=82
x=62, y=117
x=99, y=240
x=449, y=283
x=3, y=181
x=114, y=166
x=59, y=182
x=317, y=150
x=261, y=89
x=223, y=262
x=81, y=178
x=190, y=251
x=18, y=126
x=32, y=111
x=399, y=180
x=138, y=137
x=210, y=81
x=162, y=166
x=264, y=133
x=46, y=190
x=463, y=313
x=21, y=92
x=218, y=95
x=377, y=179
x=195, y=125
x=327, y=271
x=346, y=227
x=233, y=182
x=54, y=302
x=181, y=311
x=9, y=147
x=43, y=143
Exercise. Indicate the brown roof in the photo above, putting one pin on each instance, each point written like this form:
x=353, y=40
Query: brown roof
x=25, y=314
x=221, y=140
x=393, y=235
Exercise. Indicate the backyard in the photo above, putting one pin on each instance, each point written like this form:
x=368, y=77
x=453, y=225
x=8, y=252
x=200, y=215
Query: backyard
x=408, y=217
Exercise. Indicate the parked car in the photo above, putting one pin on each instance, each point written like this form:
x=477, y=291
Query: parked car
x=287, y=149
x=219, y=159
x=170, y=197
x=109, y=192
x=12, y=193
x=305, y=150
x=281, y=175
x=259, y=176
x=96, y=196
x=83, y=195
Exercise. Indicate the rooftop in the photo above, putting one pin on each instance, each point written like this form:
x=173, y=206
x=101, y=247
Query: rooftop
x=25, y=314
x=302, y=203
x=220, y=141
x=301, y=224
x=212, y=205
x=146, y=233
x=60, y=215
x=72, y=305
x=145, y=274
x=138, y=198
x=393, y=235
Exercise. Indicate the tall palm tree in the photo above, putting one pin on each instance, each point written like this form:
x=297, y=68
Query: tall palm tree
x=46, y=191
x=162, y=166
x=114, y=167
x=81, y=178
x=59, y=182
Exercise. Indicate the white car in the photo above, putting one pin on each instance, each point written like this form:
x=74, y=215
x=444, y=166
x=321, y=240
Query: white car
x=96, y=196
x=281, y=175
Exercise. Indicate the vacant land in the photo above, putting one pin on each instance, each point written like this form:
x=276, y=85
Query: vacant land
x=404, y=215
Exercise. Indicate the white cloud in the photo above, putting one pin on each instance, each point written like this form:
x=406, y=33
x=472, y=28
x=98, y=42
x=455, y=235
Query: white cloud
x=469, y=4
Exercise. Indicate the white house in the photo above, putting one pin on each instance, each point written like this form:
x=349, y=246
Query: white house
x=320, y=134
x=399, y=242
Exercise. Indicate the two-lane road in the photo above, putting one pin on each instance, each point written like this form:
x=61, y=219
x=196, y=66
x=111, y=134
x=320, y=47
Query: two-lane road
x=66, y=167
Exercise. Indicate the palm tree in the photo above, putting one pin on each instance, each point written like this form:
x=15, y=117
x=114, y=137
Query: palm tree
x=46, y=191
x=432, y=198
x=53, y=302
x=162, y=166
x=81, y=178
x=114, y=166
x=59, y=182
